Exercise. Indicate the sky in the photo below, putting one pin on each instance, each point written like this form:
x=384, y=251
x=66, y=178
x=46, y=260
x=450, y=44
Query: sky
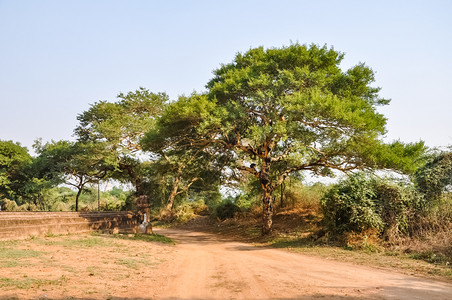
x=58, y=57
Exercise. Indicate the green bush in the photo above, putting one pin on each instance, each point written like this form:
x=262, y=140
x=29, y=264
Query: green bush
x=244, y=201
x=434, y=179
x=350, y=205
x=227, y=210
x=362, y=202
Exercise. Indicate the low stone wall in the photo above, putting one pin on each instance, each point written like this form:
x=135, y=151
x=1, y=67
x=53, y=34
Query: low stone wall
x=17, y=225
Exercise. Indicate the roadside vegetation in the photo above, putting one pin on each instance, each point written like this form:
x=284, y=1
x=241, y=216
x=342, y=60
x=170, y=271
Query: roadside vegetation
x=239, y=152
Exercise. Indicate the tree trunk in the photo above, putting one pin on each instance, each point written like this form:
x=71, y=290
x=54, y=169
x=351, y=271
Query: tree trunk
x=267, y=212
x=172, y=195
x=267, y=198
x=283, y=188
x=76, y=198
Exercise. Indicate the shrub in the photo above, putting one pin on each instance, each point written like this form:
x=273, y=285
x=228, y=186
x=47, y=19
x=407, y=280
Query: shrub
x=435, y=177
x=244, y=201
x=350, y=205
x=189, y=210
x=362, y=202
x=397, y=205
x=9, y=205
x=227, y=210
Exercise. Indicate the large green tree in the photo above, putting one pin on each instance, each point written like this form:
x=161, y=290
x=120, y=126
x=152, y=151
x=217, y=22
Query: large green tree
x=121, y=125
x=284, y=110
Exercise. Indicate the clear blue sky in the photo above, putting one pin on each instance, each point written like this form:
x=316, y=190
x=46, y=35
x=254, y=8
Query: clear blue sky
x=57, y=57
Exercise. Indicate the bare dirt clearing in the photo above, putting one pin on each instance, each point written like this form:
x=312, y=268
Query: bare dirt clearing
x=200, y=266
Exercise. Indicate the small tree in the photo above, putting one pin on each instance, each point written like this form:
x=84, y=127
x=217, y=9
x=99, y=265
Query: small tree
x=73, y=163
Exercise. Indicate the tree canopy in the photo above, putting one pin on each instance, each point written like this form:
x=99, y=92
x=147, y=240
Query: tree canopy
x=183, y=156
x=73, y=163
x=282, y=110
x=13, y=160
x=269, y=114
x=120, y=125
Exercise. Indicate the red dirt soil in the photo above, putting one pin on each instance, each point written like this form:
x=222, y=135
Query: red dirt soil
x=205, y=266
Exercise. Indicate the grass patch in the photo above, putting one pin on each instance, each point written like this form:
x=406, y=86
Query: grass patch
x=146, y=237
x=28, y=283
x=9, y=264
x=129, y=263
x=80, y=242
x=9, y=253
x=431, y=257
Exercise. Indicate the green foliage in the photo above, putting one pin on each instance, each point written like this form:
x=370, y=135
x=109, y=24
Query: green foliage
x=74, y=163
x=406, y=158
x=121, y=125
x=245, y=201
x=188, y=210
x=351, y=205
x=13, y=162
x=362, y=202
x=398, y=203
x=295, y=194
x=296, y=100
x=435, y=177
x=182, y=164
x=227, y=210
x=211, y=198
x=274, y=112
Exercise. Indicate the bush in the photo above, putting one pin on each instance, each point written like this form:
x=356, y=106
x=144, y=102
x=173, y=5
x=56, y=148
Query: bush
x=362, y=202
x=245, y=202
x=350, y=205
x=227, y=210
x=397, y=206
x=189, y=210
x=435, y=178
x=9, y=205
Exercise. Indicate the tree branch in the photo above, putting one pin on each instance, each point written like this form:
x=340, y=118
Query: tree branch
x=249, y=169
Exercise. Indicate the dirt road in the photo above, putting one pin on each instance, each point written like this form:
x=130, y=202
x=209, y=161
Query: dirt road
x=199, y=266
x=205, y=267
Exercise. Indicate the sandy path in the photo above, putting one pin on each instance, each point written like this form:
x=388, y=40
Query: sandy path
x=205, y=267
